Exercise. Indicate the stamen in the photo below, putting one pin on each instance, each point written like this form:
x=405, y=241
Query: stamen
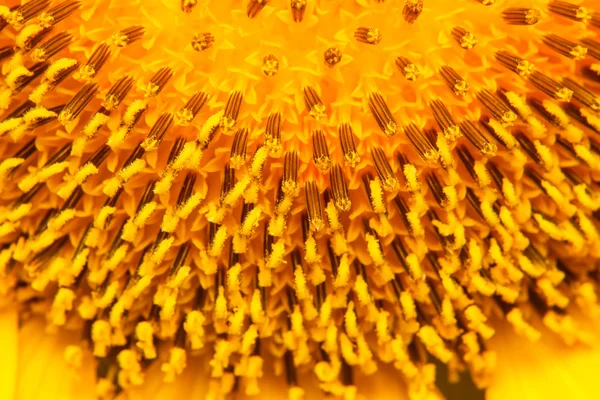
x=368, y=35
x=426, y=150
x=128, y=36
x=202, y=41
x=457, y=84
x=270, y=65
x=237, y=157
x=332, y=56
x=384, y=169
x=117, y=93
x=313, y=206
x=187, y=113
x=320, y=151
x=530, y=148
x=445, y=121
x=351, y=157
x=25, y=12
x=290, y=173
x=521, y=16
x=437, y=190
x=232, y=111
x=313, y=102
x=77, y=103
x=412, y=9
x=254, y=7
x=30, y=36
x=565, y=47
x=514, y=63
x=497, y=108
x=6, y=51
x=582, y=95
x=478, y=139
x=158, y=132
x=51, y=47
x=273, y=132
x=298, y=9
x=188, y=5
x=339, y=188
x=570, y=11
x=471, y=165
x=382, y=114
x=96, y=61
x=158, y=82
x=550, y=87
x=465, y=39
x=593, y=47
x=410, y=70
x=57, y=13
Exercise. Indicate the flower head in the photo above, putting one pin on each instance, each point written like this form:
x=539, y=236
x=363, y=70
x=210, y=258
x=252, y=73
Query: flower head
x=325, y=187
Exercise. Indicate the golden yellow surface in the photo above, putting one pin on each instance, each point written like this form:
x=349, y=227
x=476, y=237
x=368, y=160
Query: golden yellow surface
x=293, y=199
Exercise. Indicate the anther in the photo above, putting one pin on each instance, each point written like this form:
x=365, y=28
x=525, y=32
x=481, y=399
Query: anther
x=384, y=169
x=382, y=114
x=445, y=121
x=117, y=93
x=464, y=38
x=51, y=47
x=457, y=84
x=409, y=69
x=351, y=157
x=270, y=65
x=565, y=47
x=570, y=11
x=25, y=12
x=228, y=181
x=314, y=104
x=58, y=13
x=202, y=41
x=232, y=111
x=412, y=9
x=437, y=190
x=158, y=82
x=521, y=16
x=188, y=112
x=467, y=159
x=339, y=188
x=6, y=52
x=254, y=7
x=368, y=35
x=320, y=150
x=158, y=132
x=478, y=139
x=593, y=47
x=332, y=56
x=27, y=39
x=550, y=87
x=273, y=131
x=96, y=61
x=426, y=150
x=77, y=103
x=530, y=149
x=298, y=9
x=188, y=5
x=127, y=36
x=497, y=107
x=290, y=173
x=237, y=157
x=514, y=63
x=313, y=206
x=582, y=95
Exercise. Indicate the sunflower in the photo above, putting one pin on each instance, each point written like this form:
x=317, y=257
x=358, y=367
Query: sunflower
x=298, y=199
